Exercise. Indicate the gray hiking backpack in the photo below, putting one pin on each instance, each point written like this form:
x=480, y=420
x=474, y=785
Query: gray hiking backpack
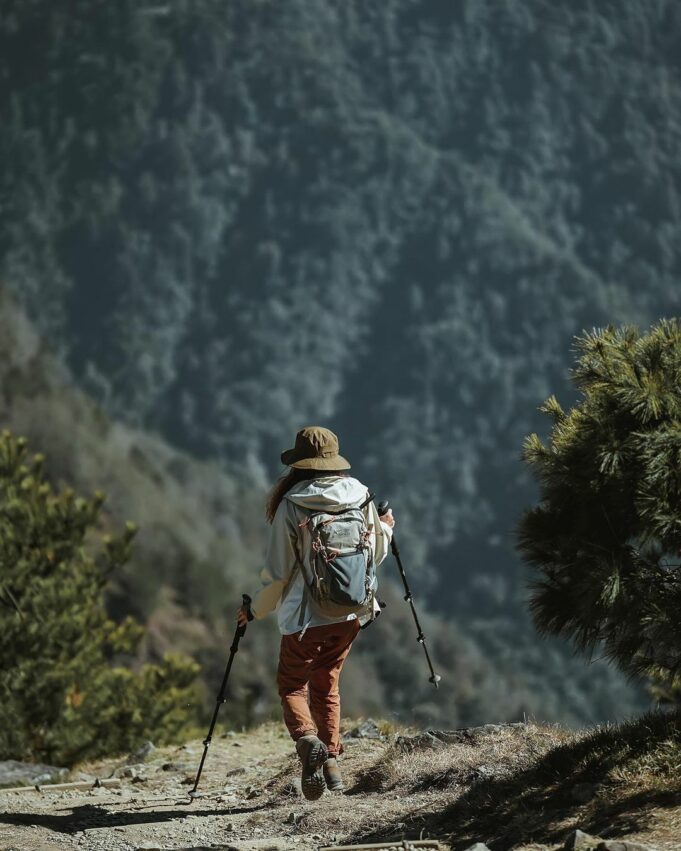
x=342, y=575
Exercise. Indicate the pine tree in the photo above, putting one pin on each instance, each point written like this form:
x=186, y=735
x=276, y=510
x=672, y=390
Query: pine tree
x=62, y=695
x=605, y=538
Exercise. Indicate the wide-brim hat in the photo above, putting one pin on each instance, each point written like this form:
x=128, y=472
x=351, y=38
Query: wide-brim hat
x=316, y=449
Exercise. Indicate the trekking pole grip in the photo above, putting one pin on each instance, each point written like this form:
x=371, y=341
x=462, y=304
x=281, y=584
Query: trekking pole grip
x=241, y=630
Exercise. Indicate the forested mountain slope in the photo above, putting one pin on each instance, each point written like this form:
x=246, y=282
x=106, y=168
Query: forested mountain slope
x=231, y=219
x=200, y=540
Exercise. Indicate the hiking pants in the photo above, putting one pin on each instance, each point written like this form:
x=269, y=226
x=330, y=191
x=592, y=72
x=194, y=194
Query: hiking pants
x=307, y=678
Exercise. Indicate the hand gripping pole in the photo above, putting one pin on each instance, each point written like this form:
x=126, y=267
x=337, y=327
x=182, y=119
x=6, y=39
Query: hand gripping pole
x=221, y=698
x=421, y=638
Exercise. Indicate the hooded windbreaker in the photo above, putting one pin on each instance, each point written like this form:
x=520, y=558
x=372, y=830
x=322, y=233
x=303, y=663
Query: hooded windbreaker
x=283, y=582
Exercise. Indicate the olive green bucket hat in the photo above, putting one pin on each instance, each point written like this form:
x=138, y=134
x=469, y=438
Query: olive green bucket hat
x=316, y=449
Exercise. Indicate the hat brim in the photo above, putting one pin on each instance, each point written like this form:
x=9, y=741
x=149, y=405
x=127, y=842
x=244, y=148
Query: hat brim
x=333, y=462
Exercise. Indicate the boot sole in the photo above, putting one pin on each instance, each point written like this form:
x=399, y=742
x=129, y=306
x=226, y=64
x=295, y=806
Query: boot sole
x=313, y=784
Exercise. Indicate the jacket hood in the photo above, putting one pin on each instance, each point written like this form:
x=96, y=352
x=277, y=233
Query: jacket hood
x=337, y=492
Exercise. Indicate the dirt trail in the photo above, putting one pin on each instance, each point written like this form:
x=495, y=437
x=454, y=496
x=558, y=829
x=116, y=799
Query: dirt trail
x=511, y=786
x=251, y=801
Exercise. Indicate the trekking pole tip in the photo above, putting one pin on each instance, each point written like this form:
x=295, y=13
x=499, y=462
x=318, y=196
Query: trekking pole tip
x=435, y=680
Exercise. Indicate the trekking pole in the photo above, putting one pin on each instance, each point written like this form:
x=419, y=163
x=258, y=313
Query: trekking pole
x=238, y=635
x=421, y=638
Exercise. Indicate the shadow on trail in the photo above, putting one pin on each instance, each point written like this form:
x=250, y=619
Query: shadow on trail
x=536, y=803
x=90, y=816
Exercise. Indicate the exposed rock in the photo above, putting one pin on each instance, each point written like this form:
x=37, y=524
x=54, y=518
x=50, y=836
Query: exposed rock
x=366, y=730
x=467, y=735
x=235, y=771
x=621, y=845
x=129, y=771
x=479, y=846
x=580, y=841
x=142, y=753
x=422, y=741
x=15, y=773
x=487, y=772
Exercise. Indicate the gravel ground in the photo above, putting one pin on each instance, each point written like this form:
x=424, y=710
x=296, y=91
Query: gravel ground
x=251, y=801
x=490, y=784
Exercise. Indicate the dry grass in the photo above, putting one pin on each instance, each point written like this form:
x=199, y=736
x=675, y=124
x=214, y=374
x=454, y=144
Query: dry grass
x=512, y=787
x=516, y=786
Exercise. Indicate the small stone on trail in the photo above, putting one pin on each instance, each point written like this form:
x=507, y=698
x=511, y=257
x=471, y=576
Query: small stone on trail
x=366, y=730
x=621, y=845
x=423, y=741
x=235, y=771
x=580, y=841
x=124, y=771
x=479, y=846
x=145, y=750
x=486, y=772
x=15, y=773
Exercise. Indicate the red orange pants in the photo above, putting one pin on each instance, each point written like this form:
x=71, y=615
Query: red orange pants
x=308, y=680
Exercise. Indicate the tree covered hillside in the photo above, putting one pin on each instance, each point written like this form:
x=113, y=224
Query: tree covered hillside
x=231, y=219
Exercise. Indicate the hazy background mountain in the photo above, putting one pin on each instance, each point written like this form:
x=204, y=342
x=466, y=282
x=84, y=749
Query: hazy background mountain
x=227, y=220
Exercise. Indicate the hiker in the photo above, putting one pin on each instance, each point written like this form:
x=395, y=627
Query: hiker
x=326, y=541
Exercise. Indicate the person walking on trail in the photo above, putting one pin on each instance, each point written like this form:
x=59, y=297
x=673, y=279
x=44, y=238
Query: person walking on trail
x=320, y=575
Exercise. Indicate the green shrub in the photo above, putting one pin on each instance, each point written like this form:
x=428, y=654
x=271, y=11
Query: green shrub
x=64, y=695
x=605, y=537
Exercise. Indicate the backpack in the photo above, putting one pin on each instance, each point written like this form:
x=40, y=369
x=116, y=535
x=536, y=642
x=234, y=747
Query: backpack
x=342, y=576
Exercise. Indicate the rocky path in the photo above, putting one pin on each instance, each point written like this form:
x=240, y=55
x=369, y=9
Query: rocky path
x=526, y=787
x=251, y=801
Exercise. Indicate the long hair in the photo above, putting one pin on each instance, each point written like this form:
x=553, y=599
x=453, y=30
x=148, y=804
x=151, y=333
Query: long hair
x=283, y=485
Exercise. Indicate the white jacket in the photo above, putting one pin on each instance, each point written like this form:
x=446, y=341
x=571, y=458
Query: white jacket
x=281, y=577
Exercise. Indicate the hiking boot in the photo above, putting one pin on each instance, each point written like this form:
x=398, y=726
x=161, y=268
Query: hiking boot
x=332, y=775
x=313, y=754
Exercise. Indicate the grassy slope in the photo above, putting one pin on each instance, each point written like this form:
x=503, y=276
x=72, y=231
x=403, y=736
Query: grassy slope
x=528, y=784
x=515, y=787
